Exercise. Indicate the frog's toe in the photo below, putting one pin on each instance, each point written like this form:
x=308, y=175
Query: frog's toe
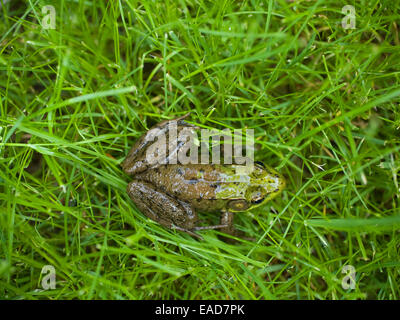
x=190, y=232
x=218, y=226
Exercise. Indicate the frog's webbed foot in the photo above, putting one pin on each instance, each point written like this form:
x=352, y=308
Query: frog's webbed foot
x=162, y=208
x=137, y=159
x=227, y=219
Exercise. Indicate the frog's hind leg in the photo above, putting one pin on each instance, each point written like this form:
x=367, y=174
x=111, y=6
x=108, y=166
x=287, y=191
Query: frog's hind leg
x=162, y=208
x=136, y=160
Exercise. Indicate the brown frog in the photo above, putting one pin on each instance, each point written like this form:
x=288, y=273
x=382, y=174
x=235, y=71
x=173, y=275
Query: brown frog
x=171, y=194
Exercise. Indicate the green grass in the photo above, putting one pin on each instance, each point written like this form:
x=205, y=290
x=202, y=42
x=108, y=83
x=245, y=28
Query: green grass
x=324, y=103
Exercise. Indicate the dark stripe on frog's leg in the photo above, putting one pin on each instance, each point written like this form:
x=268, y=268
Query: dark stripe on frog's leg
x=162, y=208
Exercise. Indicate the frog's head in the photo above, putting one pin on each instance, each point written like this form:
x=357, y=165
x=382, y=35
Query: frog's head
x=253, y=189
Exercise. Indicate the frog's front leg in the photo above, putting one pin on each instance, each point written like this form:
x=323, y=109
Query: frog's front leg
x=136, y=160
x=162, y=208
x=227, y=219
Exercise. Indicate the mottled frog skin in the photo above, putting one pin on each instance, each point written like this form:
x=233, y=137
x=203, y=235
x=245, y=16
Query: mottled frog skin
x=172, y=194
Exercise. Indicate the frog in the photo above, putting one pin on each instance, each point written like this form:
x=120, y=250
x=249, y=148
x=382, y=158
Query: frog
x=173, y=194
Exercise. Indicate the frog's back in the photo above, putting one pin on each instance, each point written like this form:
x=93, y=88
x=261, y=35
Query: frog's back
x=196, y=184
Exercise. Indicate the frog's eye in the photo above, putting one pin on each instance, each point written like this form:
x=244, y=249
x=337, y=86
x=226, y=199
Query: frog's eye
x=261, y=164
x=238, y=205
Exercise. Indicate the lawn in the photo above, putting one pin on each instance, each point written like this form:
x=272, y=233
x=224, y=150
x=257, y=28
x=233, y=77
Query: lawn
x=323, y=101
